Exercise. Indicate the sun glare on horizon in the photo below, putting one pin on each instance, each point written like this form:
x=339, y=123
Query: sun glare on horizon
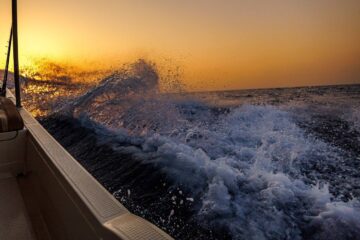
x=218, y=45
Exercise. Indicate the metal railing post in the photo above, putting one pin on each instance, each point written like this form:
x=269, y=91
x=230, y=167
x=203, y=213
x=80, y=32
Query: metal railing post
x=3, y=88
x=16, y=53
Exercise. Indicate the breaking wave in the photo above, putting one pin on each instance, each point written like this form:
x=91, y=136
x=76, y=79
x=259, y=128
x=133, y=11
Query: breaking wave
x=263, y=168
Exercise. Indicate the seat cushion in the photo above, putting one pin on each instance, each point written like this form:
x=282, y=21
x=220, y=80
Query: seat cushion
x=10, y=119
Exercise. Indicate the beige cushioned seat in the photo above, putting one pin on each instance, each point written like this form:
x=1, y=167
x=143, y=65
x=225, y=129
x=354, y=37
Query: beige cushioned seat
x=10, y=119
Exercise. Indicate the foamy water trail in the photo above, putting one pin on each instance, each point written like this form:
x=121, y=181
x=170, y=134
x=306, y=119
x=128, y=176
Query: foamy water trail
x=267, y=164
x=247, y=177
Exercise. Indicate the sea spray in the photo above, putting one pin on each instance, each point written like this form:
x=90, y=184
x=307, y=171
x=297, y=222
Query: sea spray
x=256, y=164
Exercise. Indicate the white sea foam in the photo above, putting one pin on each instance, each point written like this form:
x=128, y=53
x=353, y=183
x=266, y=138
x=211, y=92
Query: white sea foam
x=249, y=169
x=244, y=172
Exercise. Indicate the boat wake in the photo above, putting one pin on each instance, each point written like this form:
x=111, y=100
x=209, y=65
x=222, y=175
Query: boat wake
x=264, y=164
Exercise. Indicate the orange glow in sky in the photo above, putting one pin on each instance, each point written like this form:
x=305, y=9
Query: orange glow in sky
x=228, y=44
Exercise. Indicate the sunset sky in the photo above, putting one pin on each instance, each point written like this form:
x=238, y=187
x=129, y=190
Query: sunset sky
x=229, y=44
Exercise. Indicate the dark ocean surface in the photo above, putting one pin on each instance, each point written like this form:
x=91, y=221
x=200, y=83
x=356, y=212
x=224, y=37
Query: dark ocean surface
x=248, y=164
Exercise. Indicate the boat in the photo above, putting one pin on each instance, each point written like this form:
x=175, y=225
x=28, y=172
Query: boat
x=44, y=192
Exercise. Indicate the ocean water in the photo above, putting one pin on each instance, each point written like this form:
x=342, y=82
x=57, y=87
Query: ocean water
x=248, y=164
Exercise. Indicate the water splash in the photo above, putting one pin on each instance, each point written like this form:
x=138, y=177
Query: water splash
x=254, y=165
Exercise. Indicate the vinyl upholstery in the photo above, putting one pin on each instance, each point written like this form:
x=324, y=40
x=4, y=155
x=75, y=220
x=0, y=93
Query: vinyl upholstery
x=10, y=119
